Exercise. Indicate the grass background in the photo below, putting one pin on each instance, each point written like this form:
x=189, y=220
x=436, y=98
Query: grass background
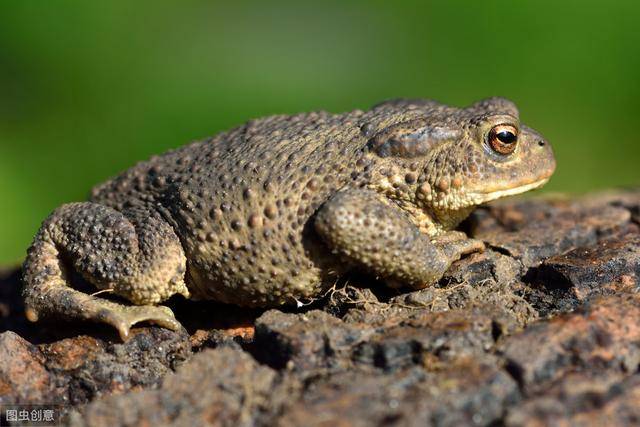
x=89, y=88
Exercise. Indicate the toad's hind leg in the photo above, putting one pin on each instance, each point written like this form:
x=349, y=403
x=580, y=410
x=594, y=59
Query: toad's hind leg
x=134, y=254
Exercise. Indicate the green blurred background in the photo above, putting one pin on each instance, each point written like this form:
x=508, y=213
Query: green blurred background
x=89, y=88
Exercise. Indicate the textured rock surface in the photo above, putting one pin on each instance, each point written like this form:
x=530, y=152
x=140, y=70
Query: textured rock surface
x=542, y=328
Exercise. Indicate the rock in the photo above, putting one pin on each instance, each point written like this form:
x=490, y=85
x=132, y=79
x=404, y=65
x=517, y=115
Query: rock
x=620, y=409
x=532, y=231
x=582, y=399
x=315, y=342
x=607, y=267
x=541, y=328
x=223, y=387
x=487, y=279
x=465, y=393
x=603, y=335
x=75, y=370
x=86, y=367
x=24, y=378
x=306, y=342
x=431, y=340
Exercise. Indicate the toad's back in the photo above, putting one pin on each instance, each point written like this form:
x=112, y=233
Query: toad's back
x=240, y=201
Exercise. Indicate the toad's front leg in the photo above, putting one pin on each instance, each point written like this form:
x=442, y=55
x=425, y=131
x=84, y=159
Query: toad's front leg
x=378, y=237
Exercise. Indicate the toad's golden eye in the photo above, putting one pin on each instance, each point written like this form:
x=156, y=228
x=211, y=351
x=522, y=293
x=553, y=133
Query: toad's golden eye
x=503, y=139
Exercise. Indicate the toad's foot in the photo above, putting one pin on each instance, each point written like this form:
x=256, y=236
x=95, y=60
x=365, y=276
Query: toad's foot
x=455, y=244
x=120, y=316
x=123, y=317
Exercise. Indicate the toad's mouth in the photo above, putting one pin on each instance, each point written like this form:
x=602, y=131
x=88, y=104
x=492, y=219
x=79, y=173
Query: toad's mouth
x=493, y=195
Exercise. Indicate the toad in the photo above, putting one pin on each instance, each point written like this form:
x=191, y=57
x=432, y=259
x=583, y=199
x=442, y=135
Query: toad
x=276, y=210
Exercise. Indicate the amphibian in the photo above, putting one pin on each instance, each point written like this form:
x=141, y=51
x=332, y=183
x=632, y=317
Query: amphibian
x=275, y=210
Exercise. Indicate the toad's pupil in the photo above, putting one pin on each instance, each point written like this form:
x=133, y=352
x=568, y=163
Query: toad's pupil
x=506, y=137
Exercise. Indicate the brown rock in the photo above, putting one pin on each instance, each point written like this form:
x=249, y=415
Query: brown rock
x=604, y=268
x=621, y=409
x=306, y=342
x=582, y=399
x=86, y=367
x=488, y=280
x=469, y=392
x=431, y=340
x=532, y=231
x=24, y=378
x=224, y=387
x=540, y=329
x=603, y=335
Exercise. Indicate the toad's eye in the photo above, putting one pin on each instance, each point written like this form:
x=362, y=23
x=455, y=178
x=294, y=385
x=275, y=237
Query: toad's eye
x=503, y=139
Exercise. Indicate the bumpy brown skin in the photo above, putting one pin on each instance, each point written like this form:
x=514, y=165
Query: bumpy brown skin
x=273, y=211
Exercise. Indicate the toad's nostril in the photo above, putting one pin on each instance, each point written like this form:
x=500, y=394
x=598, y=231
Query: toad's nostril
x=541, y=143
